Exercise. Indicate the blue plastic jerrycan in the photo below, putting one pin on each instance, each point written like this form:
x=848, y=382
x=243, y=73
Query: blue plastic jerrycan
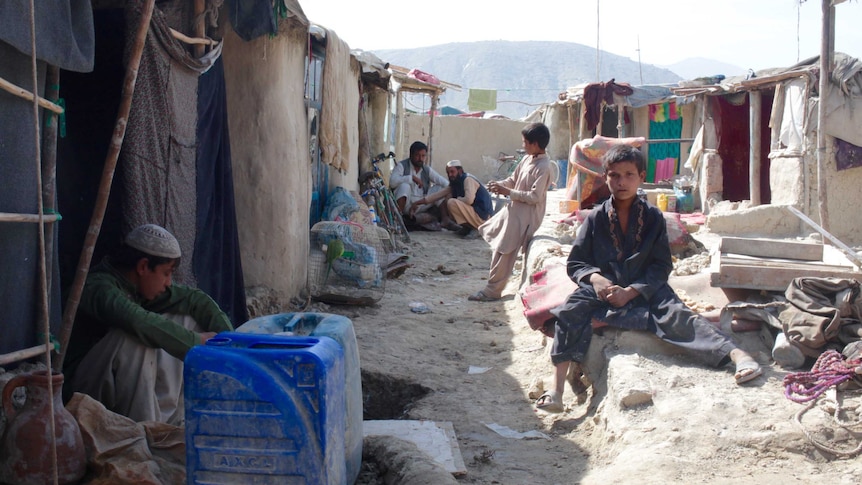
x=265, y=409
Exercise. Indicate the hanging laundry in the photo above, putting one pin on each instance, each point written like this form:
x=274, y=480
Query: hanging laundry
x=597, y=95
x=665, y=124
x=665, y=169
x=673, y=111
x=482, y=100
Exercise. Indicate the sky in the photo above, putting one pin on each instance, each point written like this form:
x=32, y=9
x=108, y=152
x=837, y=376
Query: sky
x=755, y=34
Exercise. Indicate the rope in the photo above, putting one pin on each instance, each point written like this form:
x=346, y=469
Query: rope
x=829, y=370
x=825, y=376
x=833, y=400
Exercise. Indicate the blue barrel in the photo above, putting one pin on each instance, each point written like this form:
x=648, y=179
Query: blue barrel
x=564, y=173
x=340, y=329
x=265, y=409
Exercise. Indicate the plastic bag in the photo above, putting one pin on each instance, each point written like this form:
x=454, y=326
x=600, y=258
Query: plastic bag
x=340, y=206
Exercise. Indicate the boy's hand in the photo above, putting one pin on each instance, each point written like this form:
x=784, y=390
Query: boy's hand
x=206, y=336
x=496, y=188
x=601, y=284
x=618, y=296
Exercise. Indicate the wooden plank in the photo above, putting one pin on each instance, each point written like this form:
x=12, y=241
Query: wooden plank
x=756, y=263
x=772, y=248
x=10, y=217
x=774, y=277
x=436, y=438
x=24, y=354
x=849, y=252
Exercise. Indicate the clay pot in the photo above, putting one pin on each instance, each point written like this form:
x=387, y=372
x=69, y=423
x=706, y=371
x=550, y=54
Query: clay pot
x=25, y=450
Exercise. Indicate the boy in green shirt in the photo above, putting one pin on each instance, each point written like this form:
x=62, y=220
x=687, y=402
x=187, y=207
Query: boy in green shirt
x=133, y=329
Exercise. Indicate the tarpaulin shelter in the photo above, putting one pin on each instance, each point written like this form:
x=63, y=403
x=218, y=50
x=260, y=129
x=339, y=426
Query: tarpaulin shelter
x=174, y=168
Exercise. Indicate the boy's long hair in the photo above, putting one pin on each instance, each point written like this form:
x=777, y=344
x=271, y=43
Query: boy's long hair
x=623, y=153
x=537, y=133
x=126, y=258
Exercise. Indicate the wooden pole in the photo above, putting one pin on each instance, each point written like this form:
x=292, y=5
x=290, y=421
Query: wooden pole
x=582, y=121
x=621, y=126
x=197, y=41
x=24, y=354
x=49, y=169
x=44, y=314
x=399, y=121
x=431, y=129
x=105, y=184
x=23, y=93
x=755, y=100
x=601, y=126
x=10, y=217
x=825, y=69
x=199, y=27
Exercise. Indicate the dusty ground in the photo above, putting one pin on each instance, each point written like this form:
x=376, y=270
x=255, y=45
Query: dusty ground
x=656, y=416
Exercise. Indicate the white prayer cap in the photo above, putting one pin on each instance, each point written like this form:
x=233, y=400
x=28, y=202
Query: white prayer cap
x=454, y=163
x=155, y=241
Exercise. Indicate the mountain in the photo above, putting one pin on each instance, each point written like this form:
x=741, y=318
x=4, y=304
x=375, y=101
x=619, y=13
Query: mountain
x=525, y=74
x=696, y=67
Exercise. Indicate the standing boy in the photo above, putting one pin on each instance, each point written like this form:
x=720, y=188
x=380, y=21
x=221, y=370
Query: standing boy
x=621, y=261
x=133, y=329
x=512, y=228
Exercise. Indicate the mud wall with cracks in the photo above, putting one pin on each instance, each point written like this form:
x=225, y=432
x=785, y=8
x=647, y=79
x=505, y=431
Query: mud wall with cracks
x=843, y=195
x=269, y=148
x=465, y=139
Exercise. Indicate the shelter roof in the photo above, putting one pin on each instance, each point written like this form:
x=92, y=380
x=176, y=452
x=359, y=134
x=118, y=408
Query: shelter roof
x=410, y=83
x=847, y=73
x=374, y=70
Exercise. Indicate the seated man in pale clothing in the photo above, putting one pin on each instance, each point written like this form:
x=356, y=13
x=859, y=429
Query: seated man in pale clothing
x=133, y=329
x=468, y=202
x=411, y=181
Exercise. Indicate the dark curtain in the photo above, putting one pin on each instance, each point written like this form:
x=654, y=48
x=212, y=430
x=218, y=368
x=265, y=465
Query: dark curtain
x=216, y=264
x=251, y=18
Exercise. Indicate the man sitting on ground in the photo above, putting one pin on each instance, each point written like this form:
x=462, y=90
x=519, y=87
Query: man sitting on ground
x=412, y=180
x=468, y=202
x=133, y=329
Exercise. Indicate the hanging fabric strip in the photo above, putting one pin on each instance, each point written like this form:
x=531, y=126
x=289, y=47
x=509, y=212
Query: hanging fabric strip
x=482, y=100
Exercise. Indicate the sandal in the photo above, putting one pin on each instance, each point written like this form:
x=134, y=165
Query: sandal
x=747, y=370
x=479, y=296
x=550, y=402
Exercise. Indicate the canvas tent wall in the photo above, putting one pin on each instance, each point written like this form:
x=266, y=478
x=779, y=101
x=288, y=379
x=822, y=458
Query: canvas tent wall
x=92, y=100
x=174, y=168
x=64, y=38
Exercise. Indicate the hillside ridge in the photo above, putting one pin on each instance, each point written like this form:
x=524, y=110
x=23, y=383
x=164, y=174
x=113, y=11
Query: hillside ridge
x=525, y=74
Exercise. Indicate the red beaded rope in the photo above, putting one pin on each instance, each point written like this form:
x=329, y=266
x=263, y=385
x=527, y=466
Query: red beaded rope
x=830, y=370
